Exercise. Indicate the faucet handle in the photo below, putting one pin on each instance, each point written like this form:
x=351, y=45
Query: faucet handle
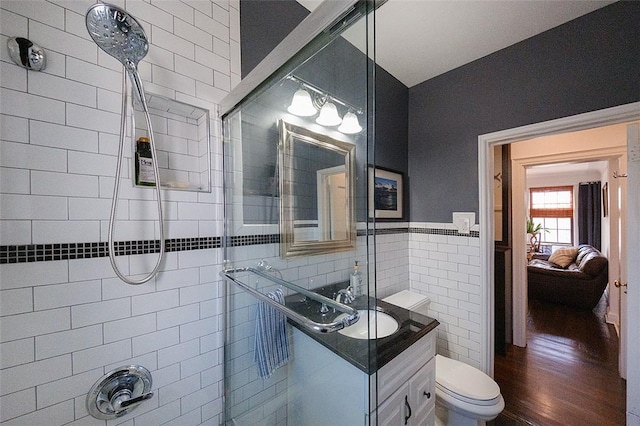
x=324, y=309
x=349, y=297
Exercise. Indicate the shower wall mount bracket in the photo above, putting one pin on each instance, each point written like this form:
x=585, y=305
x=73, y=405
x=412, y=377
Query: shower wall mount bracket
x=26, y=53
x=119, y=392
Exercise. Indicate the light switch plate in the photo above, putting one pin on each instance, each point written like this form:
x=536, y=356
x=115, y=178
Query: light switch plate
x=464, y=221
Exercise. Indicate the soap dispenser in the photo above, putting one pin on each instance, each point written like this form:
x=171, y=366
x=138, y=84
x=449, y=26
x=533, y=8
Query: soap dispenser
x=356, y=281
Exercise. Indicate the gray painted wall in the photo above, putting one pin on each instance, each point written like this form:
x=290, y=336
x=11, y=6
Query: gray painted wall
x=263, y=24
x=392, y=129
x=588, y=64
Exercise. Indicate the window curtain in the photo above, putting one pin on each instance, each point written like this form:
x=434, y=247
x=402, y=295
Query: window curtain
x=589, y=213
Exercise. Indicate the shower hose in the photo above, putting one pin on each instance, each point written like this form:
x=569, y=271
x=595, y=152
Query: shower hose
x=116, y=187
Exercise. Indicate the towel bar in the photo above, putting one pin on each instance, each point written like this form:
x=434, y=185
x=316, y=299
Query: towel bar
x=352, y=314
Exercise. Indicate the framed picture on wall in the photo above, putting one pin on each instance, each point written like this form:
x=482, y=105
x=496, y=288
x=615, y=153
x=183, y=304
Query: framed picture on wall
x=385, y=193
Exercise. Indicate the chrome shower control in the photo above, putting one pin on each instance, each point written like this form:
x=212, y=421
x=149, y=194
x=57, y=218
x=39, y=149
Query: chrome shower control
x=26, y=53
x=119, y=392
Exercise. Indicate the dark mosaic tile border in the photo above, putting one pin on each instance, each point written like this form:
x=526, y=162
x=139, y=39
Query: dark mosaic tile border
x=384, y=231
x=250, y=240
x=432, y=231
x=448, y=232
x=68, y=251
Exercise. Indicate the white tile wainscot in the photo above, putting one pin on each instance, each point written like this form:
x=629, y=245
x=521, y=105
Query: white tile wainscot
x=446, y=268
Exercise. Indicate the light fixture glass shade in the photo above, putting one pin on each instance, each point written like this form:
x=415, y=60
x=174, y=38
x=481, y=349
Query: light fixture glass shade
x=328, y=115
x=301, y=104
x=350, y=124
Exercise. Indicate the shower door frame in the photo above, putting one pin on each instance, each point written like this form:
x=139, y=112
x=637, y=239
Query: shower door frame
x=301, y=44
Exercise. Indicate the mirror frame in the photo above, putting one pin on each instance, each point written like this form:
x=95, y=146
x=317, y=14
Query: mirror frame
x=288, y=246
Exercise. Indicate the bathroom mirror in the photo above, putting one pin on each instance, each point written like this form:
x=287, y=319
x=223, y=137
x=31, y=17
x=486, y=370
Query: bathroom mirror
x=317, y=192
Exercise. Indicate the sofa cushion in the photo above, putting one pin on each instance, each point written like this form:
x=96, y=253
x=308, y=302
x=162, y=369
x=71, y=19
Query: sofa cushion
x=564, y=256
x=592, y=263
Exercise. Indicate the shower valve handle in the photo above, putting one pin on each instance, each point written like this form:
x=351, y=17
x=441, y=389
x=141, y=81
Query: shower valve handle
x=122, y=401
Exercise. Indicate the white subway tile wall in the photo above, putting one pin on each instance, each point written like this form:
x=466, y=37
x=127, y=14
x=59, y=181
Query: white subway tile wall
x=447, y=269
x=392, y=262
x=65, y=323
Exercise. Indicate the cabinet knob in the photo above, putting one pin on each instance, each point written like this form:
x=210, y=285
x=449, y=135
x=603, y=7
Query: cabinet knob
x=427, y=394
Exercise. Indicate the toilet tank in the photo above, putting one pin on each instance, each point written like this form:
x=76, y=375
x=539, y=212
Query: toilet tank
x=410, y=300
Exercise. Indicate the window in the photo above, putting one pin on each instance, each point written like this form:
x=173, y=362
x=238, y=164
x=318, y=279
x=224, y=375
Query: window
x=553, y=208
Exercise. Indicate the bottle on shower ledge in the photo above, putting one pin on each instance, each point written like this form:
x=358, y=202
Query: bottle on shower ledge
x=355, y=281
x=144, y=163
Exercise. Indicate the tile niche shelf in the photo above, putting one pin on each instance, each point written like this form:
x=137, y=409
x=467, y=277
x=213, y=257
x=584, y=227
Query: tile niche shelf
x=182, y=134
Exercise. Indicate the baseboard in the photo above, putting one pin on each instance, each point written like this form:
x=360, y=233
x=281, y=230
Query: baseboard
x=613, y=319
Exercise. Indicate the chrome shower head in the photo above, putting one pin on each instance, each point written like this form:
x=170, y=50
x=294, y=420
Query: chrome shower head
x=117, y=33
x=121, y=36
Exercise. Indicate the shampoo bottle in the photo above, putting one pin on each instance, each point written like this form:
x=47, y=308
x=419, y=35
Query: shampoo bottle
x=144, y=163
x=356, y=281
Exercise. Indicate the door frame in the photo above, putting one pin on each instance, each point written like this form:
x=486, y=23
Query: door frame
x=632, y=334
x=486, y=144
x=325, y=206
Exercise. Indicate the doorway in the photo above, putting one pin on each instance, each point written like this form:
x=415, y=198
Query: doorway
x=568, y=349
x=565, y=160
x=621, y=114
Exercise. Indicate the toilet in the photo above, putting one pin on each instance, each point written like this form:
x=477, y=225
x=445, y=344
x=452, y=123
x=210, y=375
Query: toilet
x=464, y=394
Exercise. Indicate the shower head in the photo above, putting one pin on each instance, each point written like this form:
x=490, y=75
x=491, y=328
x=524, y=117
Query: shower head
x=117, y=33
x=121, y=36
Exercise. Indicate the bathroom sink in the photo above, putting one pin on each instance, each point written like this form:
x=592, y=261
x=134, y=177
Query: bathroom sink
x=371, y=323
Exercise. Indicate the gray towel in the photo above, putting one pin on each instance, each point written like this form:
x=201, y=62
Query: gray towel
x=272, y=342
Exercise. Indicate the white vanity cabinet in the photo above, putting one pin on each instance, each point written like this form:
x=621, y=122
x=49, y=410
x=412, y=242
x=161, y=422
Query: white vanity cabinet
x=328, y=382
x=407, y=387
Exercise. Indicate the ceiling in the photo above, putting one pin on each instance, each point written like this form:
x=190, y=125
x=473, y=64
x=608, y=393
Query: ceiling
x=419, y=39
x=595, y=168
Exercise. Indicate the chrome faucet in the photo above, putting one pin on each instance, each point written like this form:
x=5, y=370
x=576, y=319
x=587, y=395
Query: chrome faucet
x=348, y=296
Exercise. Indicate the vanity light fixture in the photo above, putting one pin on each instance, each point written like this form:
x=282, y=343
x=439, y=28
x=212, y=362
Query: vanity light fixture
x=309, y=99
x=301, y=104
x=329, y=115
x=350, y=124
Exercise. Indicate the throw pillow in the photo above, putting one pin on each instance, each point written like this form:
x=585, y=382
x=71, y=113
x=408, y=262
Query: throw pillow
x=564, y=257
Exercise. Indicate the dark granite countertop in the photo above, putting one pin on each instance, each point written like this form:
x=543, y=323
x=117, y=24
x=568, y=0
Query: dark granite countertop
x=412, y=327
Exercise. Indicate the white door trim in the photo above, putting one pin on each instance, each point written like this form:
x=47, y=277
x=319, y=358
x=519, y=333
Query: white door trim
x=486, y=143
x=632, y=332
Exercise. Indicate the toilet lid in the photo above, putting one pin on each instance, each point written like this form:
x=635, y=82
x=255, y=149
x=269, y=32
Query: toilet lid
x=462, y=379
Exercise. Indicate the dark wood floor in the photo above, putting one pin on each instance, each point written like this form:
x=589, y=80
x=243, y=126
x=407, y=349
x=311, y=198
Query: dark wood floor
x=567, y=374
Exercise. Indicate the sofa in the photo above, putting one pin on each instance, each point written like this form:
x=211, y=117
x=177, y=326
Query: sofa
x=574, y=276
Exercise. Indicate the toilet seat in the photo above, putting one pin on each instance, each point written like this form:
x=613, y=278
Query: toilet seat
x=470, y=401
x=466, y=383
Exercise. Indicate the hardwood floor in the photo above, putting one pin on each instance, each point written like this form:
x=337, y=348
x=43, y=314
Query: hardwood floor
x=567, y=374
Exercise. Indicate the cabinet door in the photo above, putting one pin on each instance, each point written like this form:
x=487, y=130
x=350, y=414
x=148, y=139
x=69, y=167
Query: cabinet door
x=400, y=370
x=395, y=410
x=422, y=389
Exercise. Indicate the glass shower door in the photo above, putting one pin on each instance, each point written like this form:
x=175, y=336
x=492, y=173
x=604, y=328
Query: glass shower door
x=280, y=369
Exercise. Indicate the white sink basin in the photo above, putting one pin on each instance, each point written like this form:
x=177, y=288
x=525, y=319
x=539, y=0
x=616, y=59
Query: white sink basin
x=371, y=324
